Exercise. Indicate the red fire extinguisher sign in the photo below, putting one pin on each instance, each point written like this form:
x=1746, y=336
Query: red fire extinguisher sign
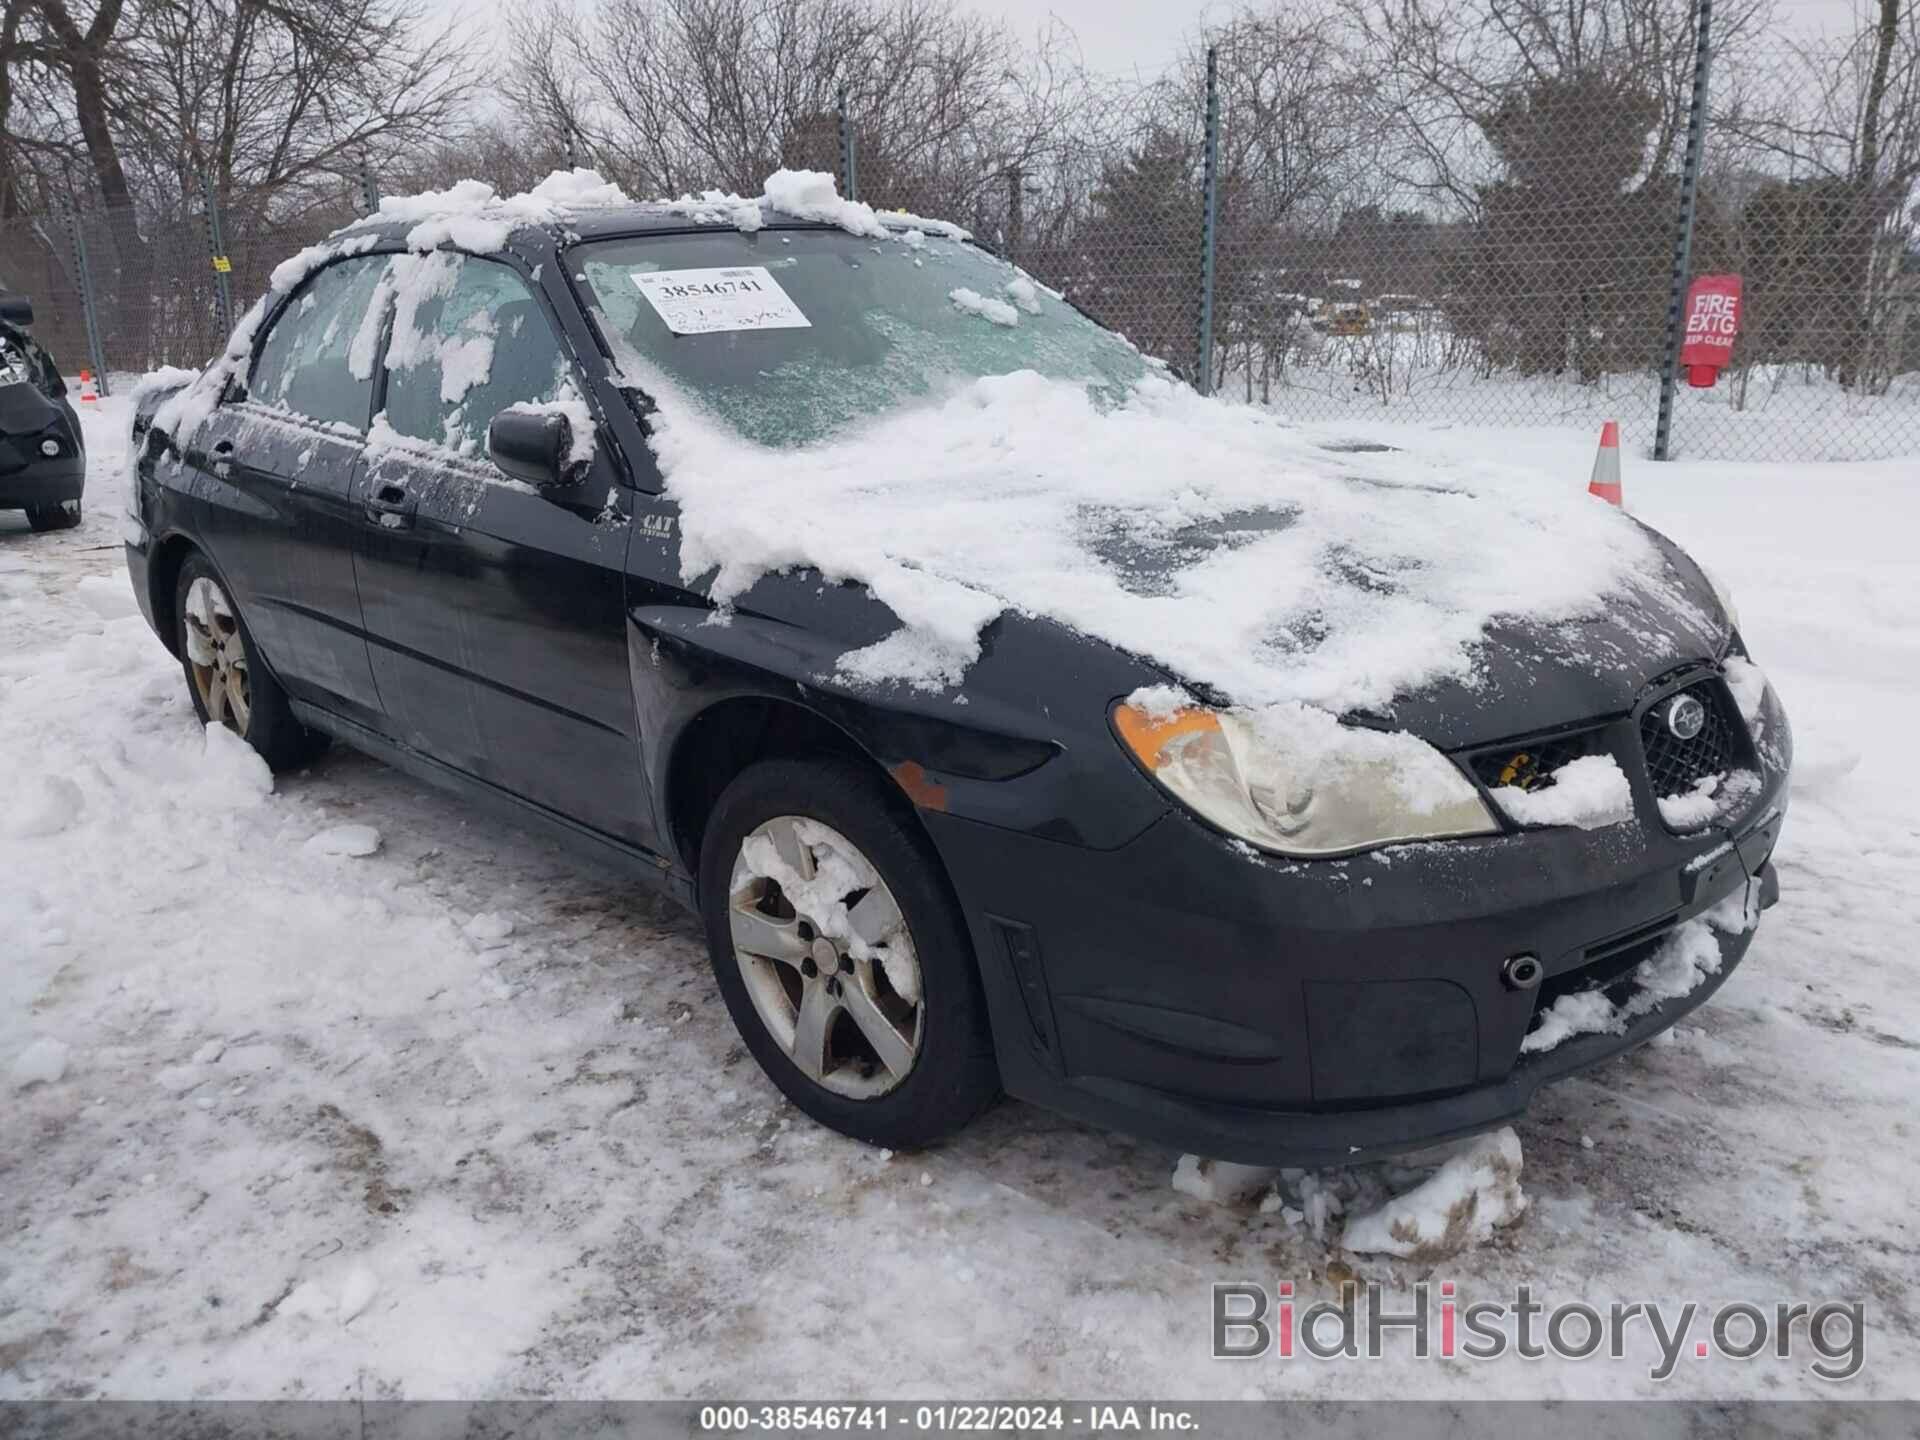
x=1713, y=320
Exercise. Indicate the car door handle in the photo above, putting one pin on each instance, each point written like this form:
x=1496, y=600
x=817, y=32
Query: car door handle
x=389, y=506
x=223, y=458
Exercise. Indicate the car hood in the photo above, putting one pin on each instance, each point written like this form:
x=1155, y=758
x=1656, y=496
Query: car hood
x=1258, y=563
x=1526, y=675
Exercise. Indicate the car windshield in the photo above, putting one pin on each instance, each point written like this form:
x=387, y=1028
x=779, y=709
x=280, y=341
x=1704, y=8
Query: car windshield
x=792, y=335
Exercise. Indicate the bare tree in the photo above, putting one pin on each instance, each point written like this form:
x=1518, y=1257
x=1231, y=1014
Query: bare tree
x=1443, y=68
x=91, y=60
x=1833, y=133
x=1298, y=150
x=675, y=95
x=280, y=104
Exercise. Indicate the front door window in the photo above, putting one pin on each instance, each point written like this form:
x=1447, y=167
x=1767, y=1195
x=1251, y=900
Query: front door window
x=469, y=340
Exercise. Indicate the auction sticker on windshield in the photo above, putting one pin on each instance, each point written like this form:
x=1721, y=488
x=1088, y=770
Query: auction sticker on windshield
x=737, y=297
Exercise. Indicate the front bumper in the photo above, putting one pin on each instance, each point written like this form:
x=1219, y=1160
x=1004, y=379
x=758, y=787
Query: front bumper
x=43, y=482
x=1189, y=991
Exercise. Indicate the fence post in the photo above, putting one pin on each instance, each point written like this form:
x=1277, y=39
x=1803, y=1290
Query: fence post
x=369, y=187
x=1016, y=211
x=1683, y=238
x=83, y=279
x=1210, y=187
x=222, y=266
x=849, y=172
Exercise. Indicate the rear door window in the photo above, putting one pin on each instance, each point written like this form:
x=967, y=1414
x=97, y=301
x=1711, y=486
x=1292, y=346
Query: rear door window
x=318, y=357
x=469, y=340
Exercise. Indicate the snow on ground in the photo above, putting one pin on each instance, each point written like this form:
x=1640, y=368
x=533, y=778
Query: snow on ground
x=1780, y=410
x=462, y=1115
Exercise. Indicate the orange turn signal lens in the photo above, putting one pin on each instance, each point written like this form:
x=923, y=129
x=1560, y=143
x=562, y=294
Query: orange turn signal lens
x=1152, y=736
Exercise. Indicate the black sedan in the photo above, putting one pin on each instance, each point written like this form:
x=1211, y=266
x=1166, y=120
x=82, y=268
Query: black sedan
x=43, y=458
x=420, y=506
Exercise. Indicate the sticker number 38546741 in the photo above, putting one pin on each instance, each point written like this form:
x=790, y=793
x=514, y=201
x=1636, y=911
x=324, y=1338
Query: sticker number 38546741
x=735, y=297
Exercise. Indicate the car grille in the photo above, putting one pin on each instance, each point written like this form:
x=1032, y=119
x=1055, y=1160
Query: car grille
x=1529, y=764
x=1673, y=764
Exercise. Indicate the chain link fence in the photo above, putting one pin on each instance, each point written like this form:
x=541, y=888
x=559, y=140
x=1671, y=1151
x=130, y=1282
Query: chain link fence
x=1341, y=249
x=152, y=280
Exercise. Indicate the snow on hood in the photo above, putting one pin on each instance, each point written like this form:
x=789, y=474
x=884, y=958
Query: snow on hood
x=1221, y=543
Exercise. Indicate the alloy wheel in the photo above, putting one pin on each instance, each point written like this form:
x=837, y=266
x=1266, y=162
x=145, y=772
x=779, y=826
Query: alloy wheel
x=217, y=655
x=826, y=956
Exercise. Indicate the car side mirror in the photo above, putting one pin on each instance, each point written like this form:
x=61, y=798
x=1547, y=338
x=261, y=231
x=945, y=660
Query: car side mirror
x=16, y=309
x=533, y=445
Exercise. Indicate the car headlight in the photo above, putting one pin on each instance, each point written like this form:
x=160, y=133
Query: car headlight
x=1293, y=780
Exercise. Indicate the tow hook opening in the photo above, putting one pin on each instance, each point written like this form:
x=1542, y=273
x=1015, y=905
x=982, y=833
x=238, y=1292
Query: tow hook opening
x=1521, y=972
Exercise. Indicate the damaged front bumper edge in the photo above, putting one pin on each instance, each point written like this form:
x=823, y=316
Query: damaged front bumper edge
x=1254, y=1136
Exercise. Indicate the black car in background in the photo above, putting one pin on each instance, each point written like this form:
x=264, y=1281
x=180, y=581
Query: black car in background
x=43, y=458
x=911, y=903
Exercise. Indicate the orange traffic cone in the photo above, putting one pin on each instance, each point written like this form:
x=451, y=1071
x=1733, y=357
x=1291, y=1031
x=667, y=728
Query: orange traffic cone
x=1606, y=465
x=89, y=395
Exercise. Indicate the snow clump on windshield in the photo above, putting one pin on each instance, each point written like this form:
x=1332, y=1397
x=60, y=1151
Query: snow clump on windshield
x=972, y=301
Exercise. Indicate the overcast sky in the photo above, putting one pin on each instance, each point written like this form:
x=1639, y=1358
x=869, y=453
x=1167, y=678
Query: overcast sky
x=1144, y=36
x=1124, y=36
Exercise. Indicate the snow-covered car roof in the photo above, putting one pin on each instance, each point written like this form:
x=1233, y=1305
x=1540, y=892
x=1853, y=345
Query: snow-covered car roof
x=474, y=217
x=580, y=203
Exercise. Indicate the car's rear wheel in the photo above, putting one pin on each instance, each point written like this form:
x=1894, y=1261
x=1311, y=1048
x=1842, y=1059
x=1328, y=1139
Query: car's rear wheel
x=228, y=683
x=841, y=955
x=63, y=516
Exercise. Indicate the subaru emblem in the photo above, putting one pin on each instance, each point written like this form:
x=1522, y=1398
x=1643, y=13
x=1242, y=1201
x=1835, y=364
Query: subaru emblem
x=1686, y=717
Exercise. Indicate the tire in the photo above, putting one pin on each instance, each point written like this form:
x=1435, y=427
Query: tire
x=225, y=677
x=63, y=516
x=916, y=976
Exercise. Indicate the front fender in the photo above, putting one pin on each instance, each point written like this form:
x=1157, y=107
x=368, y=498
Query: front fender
x=978, y=752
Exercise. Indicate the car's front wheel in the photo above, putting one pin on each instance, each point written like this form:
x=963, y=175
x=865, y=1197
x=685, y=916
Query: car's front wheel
x=228, y=683
x=63, y=516
x=841, y=955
